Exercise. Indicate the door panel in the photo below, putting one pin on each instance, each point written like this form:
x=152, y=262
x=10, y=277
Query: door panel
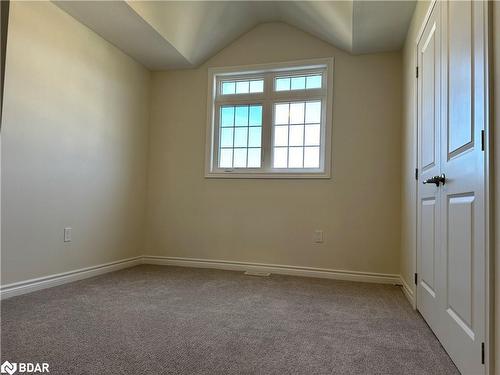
x=459, y=256
x=429, y=124
x=460, y=75
x=428, y=255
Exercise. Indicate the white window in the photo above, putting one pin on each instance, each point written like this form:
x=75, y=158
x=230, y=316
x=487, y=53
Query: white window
x=269, y=121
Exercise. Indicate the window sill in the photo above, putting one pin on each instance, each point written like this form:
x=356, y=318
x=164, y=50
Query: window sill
x=282, y=175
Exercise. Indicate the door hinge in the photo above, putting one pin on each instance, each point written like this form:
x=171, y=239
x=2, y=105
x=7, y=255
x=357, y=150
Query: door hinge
x=482, y=353
x=416, y=71
x=416, y=173
x=416, y=278
x=482, y=140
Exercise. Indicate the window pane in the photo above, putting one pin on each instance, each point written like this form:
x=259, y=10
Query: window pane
x=227, y=116
x=281, y=114
x=226, y=158
x=255, y=115
x=226, y=137
x=280, y=157
x=242, y=87
x=241, y=116
x=298, y=83
x=236, y=136
x=254, y=158
x=257, y=86
x=240, y=137
x=295, y=155
x=312, y=135
x=313, y=82
x=281, y=135
x=297, y=113
x=240, y=157
x=228, y=88
x=311, y=157
x=296, y=135
x=254, y=137
x=282, y=84
x=313, y=112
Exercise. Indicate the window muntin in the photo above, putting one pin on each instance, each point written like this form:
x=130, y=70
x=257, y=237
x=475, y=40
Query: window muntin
x=270, y=132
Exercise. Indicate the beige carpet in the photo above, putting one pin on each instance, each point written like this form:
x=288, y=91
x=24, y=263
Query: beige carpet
x=171, y=320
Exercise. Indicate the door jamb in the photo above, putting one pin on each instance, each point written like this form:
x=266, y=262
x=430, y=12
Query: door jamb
x=489, y=192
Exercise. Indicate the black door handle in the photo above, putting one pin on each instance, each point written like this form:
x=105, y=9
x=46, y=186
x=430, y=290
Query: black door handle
x=436, y=180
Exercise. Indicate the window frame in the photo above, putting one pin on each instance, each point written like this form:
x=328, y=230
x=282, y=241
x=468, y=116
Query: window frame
x=267, y=98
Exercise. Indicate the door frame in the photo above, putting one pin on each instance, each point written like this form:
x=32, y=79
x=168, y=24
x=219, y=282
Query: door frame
x=488, y=183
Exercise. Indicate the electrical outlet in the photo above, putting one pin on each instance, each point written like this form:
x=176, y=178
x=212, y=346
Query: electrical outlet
x=67, y=234
x=318, y=236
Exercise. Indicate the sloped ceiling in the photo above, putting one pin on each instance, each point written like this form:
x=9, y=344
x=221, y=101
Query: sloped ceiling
x=182, y=34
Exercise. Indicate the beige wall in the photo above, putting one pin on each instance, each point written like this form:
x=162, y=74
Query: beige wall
x=74, y=146
x=409, y=143
x=272, y=221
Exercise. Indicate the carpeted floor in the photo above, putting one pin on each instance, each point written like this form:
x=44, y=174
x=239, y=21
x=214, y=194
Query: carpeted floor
x=171, y=320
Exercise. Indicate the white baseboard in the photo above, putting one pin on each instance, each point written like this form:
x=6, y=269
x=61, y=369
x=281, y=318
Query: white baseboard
x=276, y=269
x=408, y=292
x=27, y=286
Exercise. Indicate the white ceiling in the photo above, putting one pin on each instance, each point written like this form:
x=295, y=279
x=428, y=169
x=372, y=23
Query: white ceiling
x=183, y=34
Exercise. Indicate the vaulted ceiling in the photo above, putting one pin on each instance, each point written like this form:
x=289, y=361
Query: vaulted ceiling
x=183, y=34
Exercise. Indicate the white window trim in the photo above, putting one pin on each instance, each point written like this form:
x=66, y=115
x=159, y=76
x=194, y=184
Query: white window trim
x=265, y=71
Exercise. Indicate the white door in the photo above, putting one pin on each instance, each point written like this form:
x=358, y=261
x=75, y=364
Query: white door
x=429, y=165
x=451, y=266
x=462, y=197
